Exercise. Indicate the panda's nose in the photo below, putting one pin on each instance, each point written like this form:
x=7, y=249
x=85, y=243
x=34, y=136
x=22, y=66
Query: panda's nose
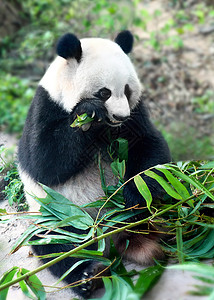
x=120, y=118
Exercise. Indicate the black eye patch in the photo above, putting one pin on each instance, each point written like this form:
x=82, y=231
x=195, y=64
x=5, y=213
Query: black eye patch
x=127, y=91
x=103, y=94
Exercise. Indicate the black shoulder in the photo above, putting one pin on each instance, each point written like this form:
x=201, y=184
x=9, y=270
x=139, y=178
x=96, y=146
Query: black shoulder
x=44, y=117
x=44, y=110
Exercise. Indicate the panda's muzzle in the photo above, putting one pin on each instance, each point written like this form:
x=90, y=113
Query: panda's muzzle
x=120, y=118
x=116, y=120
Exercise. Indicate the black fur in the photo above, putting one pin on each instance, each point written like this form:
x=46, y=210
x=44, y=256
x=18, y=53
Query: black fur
x=52, y=152
x=125, y=40
x=69, y=46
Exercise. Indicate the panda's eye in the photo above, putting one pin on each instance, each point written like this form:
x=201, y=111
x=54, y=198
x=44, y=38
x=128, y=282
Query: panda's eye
x=103, y=94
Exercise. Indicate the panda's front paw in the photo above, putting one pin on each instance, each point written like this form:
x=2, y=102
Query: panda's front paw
x=94, y=108
x=90, y=281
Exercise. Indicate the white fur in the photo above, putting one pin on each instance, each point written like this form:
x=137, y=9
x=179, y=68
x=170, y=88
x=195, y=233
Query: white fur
x=103, y=64
x=31, y=188
x=81, y=189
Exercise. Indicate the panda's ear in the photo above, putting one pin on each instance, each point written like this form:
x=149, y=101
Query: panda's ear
x=125, y=40
x=69, y=46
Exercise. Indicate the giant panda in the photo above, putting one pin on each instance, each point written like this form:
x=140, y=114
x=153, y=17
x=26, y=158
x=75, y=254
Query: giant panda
x=93, y=76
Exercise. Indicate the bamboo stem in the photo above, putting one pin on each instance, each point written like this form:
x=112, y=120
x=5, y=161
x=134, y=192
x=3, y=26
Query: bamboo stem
x=92, y=241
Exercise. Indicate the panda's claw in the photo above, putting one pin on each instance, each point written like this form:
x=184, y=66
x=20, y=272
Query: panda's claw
x=89, y=280
x=93, y=114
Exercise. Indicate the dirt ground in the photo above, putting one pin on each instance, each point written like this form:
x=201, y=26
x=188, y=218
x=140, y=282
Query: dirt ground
x=174, y=79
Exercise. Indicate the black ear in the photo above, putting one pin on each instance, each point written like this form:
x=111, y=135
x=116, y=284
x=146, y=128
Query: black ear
x=69, y=46
x=125, y=40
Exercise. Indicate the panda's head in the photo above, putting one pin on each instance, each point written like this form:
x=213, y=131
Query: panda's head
x=94, y=67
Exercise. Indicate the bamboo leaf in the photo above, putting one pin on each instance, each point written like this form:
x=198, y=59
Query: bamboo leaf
x=209, y=165
x=63, y=208
x=122, y=149
x=201, y=290
x=81, y=120
x=165, y=185
x=178, y=186
x=35, y=285
x=7, y=277
x=32, y=230
x=202, y=269
x=108, y=289
x=3, y=212
x=24, y=287
x=191, y=180
x=204, y=279
x=179, y=241
x=143, y=189
x=118, y=168
x=147, y=279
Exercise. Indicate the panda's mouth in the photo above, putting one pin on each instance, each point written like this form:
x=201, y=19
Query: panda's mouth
x=113, y=123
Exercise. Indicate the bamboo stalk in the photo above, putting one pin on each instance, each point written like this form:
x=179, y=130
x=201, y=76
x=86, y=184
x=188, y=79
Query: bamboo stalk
x=92, y=241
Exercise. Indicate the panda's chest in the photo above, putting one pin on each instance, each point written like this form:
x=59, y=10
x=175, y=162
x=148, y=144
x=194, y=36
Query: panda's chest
x=86, y=187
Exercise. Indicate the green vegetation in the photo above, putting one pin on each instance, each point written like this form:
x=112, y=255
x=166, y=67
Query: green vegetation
x=14, y=188
x=15, y=94
x=184, y=215
x=187, y=143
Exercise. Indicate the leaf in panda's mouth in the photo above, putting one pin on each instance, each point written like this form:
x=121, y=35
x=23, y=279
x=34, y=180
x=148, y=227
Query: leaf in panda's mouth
x=81, y=120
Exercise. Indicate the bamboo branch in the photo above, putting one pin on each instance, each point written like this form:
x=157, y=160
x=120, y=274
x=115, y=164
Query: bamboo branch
x=92, y=241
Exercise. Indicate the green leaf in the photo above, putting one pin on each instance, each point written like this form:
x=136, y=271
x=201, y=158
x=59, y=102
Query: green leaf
x=35, y=285
x=118, y=168
x=7, y=277
x=179, y=240
x=202, y=269
x=102, y=175
x=204, y=279
x=25, y=237
x=178, y=186
x=108, y=289
x=147, y=279
x=191, y=180
x=143, y=189
x=209, y=165
x=201, y=290
x=118, y=289
x=81, y=120
x=63, y=208
x=165, y=185
x=205, y=248
x=3, y=212
x=24, y=287
x=122, y=149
